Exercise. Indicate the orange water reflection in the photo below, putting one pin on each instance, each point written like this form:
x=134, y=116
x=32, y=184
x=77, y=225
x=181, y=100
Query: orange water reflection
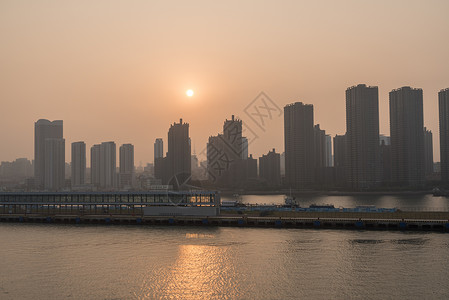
x=199, y=272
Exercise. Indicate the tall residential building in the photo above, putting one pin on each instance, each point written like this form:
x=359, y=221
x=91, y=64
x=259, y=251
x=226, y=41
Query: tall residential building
x=108, y=159
x=54, y=178
x=95, y=165
x=103, y=165
x=329, y=160
x=234, y=142
x=407, y=136
x=385, y=159
x=443, y=104
x=78, y=164
x=320, y=147
x=179, y=154
x=362, y=136
x=160, y=166
x=299, y=145
x=126, y=170
x=45, y=130
x=340, y=157
x=428, y=152
x=244, y=148
x=282, y=164
x=158, y=149
x=228, y=164
x=340, y=151
x=270, y=168
x=320, y=153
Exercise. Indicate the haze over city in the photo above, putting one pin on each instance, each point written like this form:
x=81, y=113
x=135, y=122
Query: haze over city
x=119, y=70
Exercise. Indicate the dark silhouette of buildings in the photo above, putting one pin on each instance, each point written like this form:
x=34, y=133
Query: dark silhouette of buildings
x=49, y=155
x=320, y=153
x=270, y=169
x=362, y=136
x=126, y=166
x=443, y=104
x=385, y=160
x=428, y=152
x=160, y=161
x=299, y=145
x=228, y=164
x=158, y=148
x=407, y=136
x=103, y=165
x=78, y=164
x=340, y=157
x=179, y=155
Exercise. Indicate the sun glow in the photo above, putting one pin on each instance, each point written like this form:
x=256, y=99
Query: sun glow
x=189, y=93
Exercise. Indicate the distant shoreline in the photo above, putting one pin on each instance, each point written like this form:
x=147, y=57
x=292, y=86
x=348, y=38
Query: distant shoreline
x=326, y=193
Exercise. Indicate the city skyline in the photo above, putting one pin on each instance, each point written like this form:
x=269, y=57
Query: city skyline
x=257, y=139
x=307, y=52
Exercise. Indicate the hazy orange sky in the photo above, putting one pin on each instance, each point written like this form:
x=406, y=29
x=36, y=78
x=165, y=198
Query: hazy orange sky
x=118, y=70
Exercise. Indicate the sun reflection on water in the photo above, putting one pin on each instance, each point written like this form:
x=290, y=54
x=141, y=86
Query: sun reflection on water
x=199, y=272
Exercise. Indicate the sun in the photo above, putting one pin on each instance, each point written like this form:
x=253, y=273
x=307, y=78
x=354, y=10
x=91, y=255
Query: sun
x=189, y=93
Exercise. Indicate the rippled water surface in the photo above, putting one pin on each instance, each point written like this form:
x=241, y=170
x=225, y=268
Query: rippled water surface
x=139, y=262
x=405, y=202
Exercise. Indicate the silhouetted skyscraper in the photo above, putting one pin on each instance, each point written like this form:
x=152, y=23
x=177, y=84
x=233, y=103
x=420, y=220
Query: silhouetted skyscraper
x=108, y=159
x=158, y=149
x=95, y=165
x=103, y=165
x=244, y=148
x=385, y=159
x=126, y=170
x=78, y=163
x=270, y=168
x=320, y=146
x=407, y=136
x=428, y=152
x=443, y=104
x=299, y=145
x=340, y=151
x=55, y=160
x=362, y=136
x=228, y=163
x=179, y=154
x=232, y=133
x=54, y=178
x=329, y=160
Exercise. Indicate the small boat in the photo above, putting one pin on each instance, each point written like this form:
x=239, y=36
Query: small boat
x=290, y=200
x=322, y=206
x=237, y=201
x=229, y=203
x=440, y=192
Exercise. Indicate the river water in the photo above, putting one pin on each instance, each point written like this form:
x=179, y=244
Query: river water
x=48, y=261
x=403, y=202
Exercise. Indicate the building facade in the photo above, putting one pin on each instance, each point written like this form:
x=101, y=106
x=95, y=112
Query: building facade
x=407, y=136
x=270, y=168
x=103, y=165
x=299, y=145
x=179, y=155
x=443, y=105
x=45, y=130
x=428, y=152
x=126, y=166
x=362, y=137
x=78, y=164
x=158, y=148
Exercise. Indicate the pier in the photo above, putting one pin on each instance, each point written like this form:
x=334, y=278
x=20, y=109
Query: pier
x=200, y=208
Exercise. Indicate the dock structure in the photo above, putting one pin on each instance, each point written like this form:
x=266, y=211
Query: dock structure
x=204, y=203
x=199, y=208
